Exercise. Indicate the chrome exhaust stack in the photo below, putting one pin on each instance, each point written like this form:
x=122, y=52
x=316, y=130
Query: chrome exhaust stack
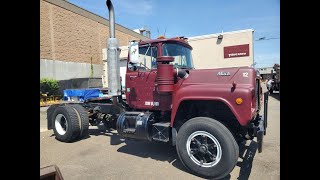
x=113, y=52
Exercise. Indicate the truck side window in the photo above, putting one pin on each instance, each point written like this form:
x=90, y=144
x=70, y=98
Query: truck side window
x=147, y=55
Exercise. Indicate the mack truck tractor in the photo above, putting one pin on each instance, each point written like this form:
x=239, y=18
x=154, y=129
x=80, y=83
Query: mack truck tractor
x=204, y=113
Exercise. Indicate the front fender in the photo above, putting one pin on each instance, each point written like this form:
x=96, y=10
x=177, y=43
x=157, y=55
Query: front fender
x=224, y=93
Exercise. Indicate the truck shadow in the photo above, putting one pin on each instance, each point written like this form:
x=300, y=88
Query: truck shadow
x=166, y=152
x=246, y=153
x=114, y=137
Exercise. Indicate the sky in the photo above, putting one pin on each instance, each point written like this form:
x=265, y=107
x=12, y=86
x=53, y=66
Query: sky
x=194, y=18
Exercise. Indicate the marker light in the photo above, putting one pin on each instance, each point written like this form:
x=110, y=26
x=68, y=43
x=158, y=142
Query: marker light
x=239, y=101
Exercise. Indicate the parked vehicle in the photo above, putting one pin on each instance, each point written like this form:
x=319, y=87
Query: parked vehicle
x=204, y=113
x=275, y=86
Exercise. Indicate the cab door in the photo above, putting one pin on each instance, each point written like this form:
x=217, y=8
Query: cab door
x=141, y=79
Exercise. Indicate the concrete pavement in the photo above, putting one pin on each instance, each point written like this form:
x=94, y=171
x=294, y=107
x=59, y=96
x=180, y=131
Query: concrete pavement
x=105, y=156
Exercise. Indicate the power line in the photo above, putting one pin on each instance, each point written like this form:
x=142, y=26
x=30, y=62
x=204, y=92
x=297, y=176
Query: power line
x=264, y=38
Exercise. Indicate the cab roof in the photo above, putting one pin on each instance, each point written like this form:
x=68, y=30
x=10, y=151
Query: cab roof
x=178, y=40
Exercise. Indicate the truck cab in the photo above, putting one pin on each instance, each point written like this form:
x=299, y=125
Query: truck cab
x=169, y=98
x=204, y=113
x=222, y=86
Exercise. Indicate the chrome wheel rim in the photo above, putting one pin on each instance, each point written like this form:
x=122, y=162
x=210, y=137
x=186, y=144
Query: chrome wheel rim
x=61, y=124
x=204, y=149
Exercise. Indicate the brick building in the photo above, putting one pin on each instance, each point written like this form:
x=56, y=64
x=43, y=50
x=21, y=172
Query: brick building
x=72, y=40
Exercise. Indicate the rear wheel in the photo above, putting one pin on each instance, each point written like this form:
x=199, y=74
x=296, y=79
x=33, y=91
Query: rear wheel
x=84, y=119
x=65, y=123
x=207, y=148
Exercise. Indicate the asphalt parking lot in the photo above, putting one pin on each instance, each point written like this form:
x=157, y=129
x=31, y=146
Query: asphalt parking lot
x=105, y=156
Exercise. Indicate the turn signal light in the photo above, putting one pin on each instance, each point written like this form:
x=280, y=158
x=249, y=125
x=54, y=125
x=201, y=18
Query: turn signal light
x=239, y=101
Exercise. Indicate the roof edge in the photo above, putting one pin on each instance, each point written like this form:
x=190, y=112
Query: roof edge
x=194, y=38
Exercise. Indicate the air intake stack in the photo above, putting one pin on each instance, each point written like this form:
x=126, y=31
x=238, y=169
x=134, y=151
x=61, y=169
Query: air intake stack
x=165, y=75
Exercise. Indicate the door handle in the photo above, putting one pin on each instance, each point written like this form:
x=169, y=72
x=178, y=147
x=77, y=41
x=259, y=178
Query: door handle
x=132, y=77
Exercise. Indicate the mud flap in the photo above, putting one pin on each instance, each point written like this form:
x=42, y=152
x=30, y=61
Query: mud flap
x=265, y=111
x=260, y=134
x=263, y=122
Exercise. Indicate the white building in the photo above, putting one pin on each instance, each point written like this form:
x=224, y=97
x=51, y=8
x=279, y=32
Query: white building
x=228, y=49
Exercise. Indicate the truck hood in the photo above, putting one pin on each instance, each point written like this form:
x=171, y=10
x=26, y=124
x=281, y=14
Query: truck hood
x=223, y=76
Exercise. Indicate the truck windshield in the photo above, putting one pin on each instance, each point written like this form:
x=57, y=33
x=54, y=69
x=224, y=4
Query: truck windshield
x=182, y=55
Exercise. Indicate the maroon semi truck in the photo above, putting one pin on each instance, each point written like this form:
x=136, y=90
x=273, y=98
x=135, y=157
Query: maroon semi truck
x=204, y=113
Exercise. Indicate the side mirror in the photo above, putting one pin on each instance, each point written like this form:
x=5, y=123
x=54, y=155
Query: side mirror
x=132, y=66
x=134, y=53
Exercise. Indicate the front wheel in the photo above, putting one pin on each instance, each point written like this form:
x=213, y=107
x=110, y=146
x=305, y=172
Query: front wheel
x=207, y=148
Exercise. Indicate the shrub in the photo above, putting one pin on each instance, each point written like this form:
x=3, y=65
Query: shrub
x=49, y=86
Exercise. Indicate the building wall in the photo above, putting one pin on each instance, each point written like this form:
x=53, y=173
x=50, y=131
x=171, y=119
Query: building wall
x=265, y=70
x=208, y=50
x=69, y=33
x=62, y=69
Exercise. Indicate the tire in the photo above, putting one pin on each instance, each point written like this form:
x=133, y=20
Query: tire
x=226, y=149
x=84, y=119
x=65, y=123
